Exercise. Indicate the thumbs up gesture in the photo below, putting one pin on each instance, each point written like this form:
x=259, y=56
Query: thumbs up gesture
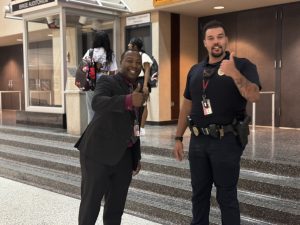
x=228, y=66
x=138, y=97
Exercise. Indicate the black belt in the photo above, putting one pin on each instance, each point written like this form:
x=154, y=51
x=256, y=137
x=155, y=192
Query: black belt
x=213, y=130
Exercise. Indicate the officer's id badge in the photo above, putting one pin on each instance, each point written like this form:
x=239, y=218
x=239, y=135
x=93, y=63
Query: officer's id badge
x=207, y=110
x=136, y=129
x=220, y=72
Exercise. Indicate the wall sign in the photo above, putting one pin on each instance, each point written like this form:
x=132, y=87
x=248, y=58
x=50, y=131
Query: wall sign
x=139, y=19
x=164, y=2
x=29, y=4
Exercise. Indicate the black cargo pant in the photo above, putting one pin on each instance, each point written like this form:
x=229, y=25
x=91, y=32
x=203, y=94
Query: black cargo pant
x=215, y=161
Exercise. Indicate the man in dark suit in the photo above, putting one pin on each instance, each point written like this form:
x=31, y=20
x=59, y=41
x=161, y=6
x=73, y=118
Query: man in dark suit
x=110, y=146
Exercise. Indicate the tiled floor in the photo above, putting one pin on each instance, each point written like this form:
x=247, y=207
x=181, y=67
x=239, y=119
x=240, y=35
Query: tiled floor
x=265, y=143
x=32, y=205
x=276, y=144
x=23, y=204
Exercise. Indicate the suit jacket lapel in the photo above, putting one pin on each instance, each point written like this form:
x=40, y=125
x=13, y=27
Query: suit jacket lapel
x=122, y=83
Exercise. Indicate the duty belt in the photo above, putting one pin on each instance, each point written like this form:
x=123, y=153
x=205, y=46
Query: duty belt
x=213, y=130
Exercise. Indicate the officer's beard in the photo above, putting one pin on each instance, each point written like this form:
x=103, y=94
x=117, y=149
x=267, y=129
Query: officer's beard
x=219, y=54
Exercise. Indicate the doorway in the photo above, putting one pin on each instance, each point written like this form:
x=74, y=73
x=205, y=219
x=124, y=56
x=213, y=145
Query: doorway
x=143, y=32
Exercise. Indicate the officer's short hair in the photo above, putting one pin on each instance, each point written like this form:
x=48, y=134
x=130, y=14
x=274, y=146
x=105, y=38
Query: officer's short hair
x=212, y=24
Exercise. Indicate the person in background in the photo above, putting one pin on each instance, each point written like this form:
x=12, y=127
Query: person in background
x=144, y=77
x=105, y=61
x=214, y=108
x=110, y=146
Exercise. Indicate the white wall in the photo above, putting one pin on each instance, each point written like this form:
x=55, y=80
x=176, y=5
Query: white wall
x=8, y=26
x=154, y=103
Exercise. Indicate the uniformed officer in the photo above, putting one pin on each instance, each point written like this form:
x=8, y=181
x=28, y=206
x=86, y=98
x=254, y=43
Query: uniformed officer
x=216, y=93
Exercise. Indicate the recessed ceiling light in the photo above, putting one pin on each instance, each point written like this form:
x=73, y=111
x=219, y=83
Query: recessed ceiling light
x=219, y=7
x=19, y=39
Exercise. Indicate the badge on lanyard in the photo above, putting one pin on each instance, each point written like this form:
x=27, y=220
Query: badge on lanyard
x=207, y=110
x=136, y=128
x=136, y=132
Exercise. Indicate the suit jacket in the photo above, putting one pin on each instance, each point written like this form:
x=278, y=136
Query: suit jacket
x=107, y=136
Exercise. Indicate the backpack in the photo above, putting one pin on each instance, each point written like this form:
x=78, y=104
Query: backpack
x=153, y=72
x=85, y=78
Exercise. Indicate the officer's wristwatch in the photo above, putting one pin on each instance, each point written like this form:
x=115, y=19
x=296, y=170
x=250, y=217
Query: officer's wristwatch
x=177, y=138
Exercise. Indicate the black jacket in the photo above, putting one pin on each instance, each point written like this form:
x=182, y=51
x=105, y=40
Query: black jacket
x=107, y=136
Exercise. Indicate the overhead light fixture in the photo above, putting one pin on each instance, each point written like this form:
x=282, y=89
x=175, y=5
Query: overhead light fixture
x=96, y=25
x=82, y=20
x=13, y=17
x=51, y=22
x=50, y=19
x=6, y=9
x=7, y=13
x=219, y=7
x=19, y=39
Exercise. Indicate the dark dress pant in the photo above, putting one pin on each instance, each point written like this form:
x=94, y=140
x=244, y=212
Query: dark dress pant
x=215, y=161
x=100, y=180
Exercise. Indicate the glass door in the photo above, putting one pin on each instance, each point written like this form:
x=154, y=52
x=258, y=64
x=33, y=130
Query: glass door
x=44, y=62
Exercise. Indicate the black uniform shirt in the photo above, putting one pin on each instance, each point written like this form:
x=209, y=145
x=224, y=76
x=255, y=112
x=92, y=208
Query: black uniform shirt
x=226, y=101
